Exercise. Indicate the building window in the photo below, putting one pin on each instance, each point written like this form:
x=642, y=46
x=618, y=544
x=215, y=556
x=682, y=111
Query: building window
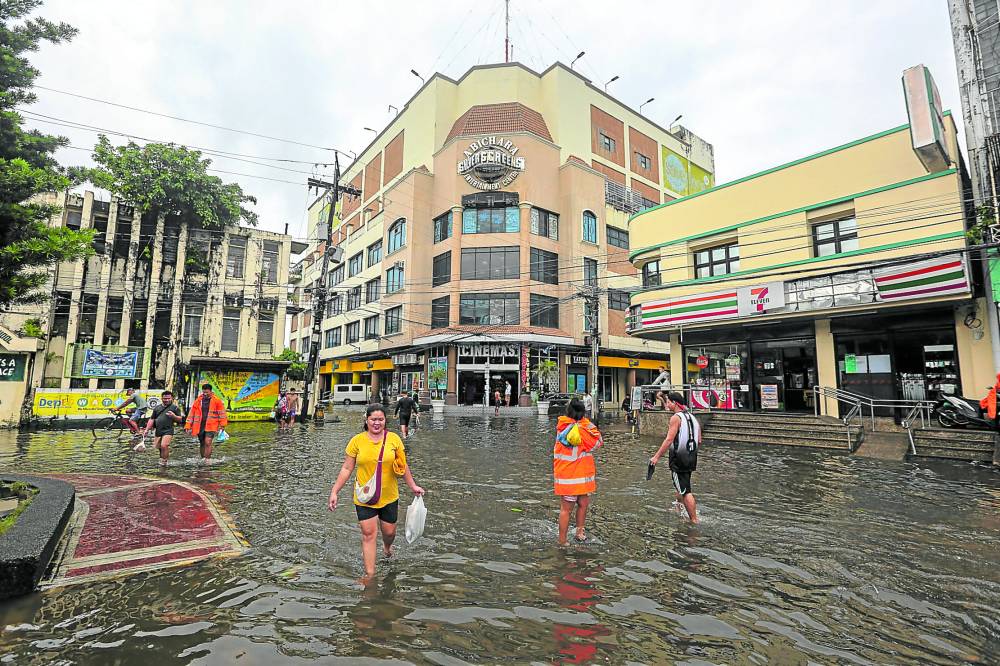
x=192, y=323
x=336, y=305
x=835, y=237
x=644, y=162
x=269, y=261
x=617, y=237
x=442, y=227
x=371, y=328
x=354, y=265
x=394, y=279
x=491, y=263
x=441, y=272
x=589, y=227
x=236, y=261
x=544, y=266
x=397, y=235
x=374, y=253
x=352, y=331
x=305, y=348
x=354, y=298
x=393, y=319
x=493, y=309
x=607, y=143
x=618, y=299
x=74, y=219
x=336, y=276
x=544, y=311
x=491, y=220
x=231, y=329
x=590, y=272
x=544, y=223
x=441, y=312
x=265, y=333
x=721, y=260
x=331, y=338
x=373, y=289
x=651, y=274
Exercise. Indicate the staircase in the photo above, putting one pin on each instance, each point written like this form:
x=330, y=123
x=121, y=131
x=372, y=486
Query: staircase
x=954, y=444
x=808, y=431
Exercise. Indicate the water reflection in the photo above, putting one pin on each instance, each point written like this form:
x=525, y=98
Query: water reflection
x=801, y=557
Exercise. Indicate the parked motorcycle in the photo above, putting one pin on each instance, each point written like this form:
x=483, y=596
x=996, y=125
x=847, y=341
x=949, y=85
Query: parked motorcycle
x=954, y=411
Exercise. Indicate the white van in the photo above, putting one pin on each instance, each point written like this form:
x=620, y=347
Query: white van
x=348, y=394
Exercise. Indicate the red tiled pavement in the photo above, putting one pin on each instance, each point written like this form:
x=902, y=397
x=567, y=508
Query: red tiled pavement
x=144, y=561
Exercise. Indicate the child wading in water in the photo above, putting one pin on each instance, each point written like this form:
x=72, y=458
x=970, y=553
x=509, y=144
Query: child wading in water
x=573, y=467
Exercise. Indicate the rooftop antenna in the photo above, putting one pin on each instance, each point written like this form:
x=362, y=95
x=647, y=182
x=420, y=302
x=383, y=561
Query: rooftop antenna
x=506, y=31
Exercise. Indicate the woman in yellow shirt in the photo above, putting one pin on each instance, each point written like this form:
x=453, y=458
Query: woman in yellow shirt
x=382, y=510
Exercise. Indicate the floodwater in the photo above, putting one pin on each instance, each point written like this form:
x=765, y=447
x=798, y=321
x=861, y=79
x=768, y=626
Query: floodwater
x=802, y=558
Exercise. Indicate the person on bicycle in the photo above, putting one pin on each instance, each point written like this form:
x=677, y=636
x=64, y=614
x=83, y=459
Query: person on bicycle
x=136, y=413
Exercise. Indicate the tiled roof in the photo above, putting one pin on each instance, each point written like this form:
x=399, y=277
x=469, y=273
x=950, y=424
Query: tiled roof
x=504, y=118
x=574, y=158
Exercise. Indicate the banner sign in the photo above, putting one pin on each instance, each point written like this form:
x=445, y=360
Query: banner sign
x=248, y=396
x=109, y=364
x=12, y=367
x=75, y=404
x=942, y=276
x=438, y=362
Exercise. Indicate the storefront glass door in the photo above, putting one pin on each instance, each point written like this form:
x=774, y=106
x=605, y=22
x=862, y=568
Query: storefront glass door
x=719, y=376
x=784, y=373
x=576, y=382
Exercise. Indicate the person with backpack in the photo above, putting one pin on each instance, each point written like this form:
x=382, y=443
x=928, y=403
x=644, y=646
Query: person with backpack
x=573, y=468
x=682, y=441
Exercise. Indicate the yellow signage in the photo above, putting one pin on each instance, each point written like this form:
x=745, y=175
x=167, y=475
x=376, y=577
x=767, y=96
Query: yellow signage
x=631, y=363
x=82, y=403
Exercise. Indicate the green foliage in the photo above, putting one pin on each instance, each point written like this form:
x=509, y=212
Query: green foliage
x=546, y=372
x=33, y=329
x=164, y=178
x=27, y=244
x=437, y=377
x=24, y=493
x=297, y=370
x=985, y=218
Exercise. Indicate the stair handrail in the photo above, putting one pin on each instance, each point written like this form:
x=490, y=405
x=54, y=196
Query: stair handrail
x=867, y=402
x=923, y=410
x=855, y=412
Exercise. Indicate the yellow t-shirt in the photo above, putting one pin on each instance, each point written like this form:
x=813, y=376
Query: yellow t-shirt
x=365, y=452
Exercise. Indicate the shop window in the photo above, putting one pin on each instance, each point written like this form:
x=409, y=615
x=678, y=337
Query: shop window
x=489, y=309
x=231, y=329
x=589, y=227
x=835, y=237
x=544, y=311
x=353, y=329
x=371, y=328
x=491, y=263
x=544, y=223
x=719, y=260
x=590, y=272
x=374, y=253
x=442, y=227
x=618, y=299
x=393, y=279
x=393, y=320
x=544, y=266
x=491, y=220
x=441, y=272
x=397, y=235
x=651, y=274
x=355, y=264
x=617, y=237
x=236, y=260
x=441, y=312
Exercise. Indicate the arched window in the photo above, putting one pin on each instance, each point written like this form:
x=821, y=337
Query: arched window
x=397, y=235
x=589, y=227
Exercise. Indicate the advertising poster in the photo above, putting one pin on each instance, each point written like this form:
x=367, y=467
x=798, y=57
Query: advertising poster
x=769, y=396
x=12, y=367
x=76, y=404
x=438, y=362
x=677, y=170
x=248, y=396
x=712, y=398
x=109, y=364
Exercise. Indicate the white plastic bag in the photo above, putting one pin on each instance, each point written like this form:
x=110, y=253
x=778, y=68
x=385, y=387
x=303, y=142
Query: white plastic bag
x=415, y=516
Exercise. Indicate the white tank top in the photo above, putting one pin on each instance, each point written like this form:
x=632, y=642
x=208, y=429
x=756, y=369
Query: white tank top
x=683, y=433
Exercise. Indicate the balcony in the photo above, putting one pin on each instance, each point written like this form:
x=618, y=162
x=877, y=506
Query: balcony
x=625, y=199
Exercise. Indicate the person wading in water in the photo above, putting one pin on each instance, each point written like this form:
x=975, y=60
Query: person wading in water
x=573, y=468
x=682, y=440
x=380, y=458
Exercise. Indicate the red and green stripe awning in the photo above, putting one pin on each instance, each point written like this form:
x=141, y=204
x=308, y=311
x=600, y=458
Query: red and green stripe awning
x=941, y=276
x=689, y=309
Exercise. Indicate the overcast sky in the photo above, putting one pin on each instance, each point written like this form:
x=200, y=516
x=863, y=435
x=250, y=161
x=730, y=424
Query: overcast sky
x=764, y=82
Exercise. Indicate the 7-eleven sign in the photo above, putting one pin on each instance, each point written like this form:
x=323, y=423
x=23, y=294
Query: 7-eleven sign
x=761, y=299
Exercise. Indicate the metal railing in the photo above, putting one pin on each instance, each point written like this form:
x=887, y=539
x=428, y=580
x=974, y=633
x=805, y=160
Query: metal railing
x=863, y=402
x=854, y=413
x=921, y=411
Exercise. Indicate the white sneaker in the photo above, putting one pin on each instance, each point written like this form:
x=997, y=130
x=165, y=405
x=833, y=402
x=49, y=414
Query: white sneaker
x=139, y=447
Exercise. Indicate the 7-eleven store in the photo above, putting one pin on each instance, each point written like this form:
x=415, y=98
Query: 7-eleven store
x=901, y=329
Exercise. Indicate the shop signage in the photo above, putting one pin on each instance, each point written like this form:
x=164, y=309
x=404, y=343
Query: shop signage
x=733, y=369
x=633, y=363
x=490, y=163
x=761, y=299
x=109, y=364
x=943, y=276
x=11, y=367
x=850, y=364
x=579, y=360
x=701, y=362
x=438, y=362
x=769, y=396
x=488, y=350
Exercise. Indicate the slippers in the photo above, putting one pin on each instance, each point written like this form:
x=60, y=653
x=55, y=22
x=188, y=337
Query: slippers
x=580, y=538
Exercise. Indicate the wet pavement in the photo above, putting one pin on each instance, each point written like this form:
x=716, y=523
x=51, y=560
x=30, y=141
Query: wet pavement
x=802, y=557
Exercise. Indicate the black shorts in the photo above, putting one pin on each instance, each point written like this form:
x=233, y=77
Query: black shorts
x=160, y=432
x=205, y=434
x=387, y=514
x=404, y=420
x=682, y=481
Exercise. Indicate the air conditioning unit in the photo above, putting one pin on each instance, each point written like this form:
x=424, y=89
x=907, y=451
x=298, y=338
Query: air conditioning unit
x=336, y=254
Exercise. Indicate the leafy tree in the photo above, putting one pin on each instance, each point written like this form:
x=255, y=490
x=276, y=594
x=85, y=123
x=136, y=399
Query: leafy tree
x=27, y=167
x=172, y=180
x=297, y=370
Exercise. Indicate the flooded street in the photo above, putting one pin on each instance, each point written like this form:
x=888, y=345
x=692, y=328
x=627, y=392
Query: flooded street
x=802, y=557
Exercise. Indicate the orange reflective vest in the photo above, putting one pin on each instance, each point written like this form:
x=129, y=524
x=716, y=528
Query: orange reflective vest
x=573, y=466
x=217, y=418
x=989, y=403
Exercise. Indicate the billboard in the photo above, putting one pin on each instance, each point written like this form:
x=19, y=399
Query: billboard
x=683, y=176
x=248, y=396
x=923, y=107
x=109, y=364
x=77, y=404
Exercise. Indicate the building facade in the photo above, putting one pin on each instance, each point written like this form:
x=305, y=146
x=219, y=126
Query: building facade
x=847, y=269
x=487, y=207
x=160, y=304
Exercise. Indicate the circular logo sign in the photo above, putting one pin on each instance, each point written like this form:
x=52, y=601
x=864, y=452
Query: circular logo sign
x=490, y=163
x=702, y=362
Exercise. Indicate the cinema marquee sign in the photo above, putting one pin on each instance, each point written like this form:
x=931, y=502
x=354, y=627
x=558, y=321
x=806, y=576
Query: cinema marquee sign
x=490, y=163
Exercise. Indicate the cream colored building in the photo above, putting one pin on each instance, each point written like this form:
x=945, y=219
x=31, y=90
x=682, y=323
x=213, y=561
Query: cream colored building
x=487, y=205
x=845, y=269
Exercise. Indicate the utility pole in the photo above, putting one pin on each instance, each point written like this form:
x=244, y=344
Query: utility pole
x=592, y=297
x=506, y=31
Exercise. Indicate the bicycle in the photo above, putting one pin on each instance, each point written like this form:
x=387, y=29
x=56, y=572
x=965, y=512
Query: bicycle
x=113, y=427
